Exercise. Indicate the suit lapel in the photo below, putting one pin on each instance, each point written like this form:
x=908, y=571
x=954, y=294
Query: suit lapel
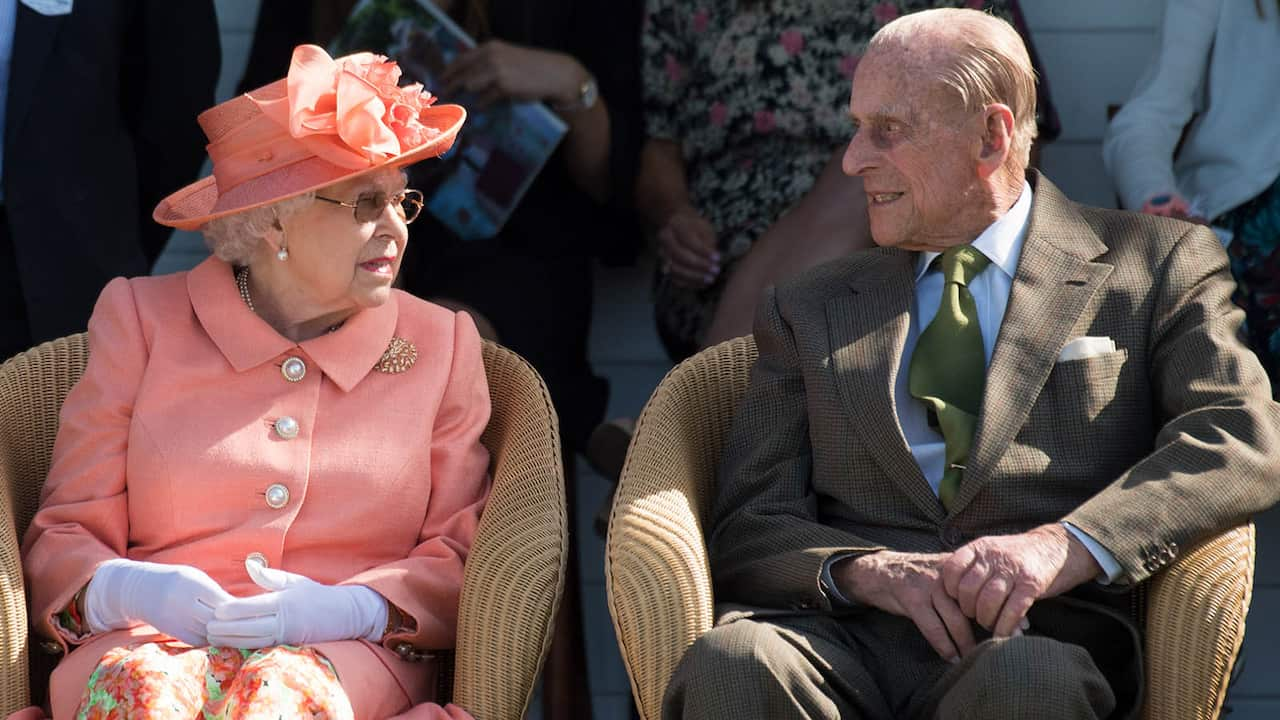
x=1053, y=285
x=33, y=38
x=867, y=328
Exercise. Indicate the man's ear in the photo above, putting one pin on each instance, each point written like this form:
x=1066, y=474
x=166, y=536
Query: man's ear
x=997, y=138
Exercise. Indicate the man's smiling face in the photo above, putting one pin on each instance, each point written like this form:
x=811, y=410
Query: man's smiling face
x=915, y=148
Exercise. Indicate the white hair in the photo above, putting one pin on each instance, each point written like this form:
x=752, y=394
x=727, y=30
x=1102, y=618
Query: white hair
x=235, y=238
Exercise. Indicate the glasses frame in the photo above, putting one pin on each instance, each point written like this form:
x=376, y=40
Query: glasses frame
x=414, y=197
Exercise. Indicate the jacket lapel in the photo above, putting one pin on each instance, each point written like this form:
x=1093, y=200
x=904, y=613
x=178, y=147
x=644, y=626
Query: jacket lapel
x=1053, y=285
x=33, y=36
x=867, y=328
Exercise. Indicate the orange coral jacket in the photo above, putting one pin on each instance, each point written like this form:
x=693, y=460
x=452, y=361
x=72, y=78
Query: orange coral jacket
x=167, y=448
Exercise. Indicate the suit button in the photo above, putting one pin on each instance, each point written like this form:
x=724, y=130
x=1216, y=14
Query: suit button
x=952, y=536
x=294, y=369
x=257, y=557
x=277, y=496
x=287, y=428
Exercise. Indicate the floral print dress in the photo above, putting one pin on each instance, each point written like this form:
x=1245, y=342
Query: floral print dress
x=175, y=681
x=756, y=93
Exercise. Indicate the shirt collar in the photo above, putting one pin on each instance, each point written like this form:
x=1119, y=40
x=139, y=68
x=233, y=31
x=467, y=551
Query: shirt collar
x=1001, y=242
x=247, y=341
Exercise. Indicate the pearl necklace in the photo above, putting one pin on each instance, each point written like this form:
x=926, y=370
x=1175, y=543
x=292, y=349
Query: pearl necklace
x=242, y=284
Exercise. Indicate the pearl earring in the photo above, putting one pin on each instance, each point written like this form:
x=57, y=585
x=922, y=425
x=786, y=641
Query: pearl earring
x=283, y=253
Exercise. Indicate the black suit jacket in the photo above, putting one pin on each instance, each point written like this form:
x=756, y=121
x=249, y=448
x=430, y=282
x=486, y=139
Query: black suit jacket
x=100, y=125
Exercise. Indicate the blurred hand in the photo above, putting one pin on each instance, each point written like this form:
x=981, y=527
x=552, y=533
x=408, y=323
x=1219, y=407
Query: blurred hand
x=907, y=584
x=996, y=579
x=495, y=70
x=687, y=249
x=177, y=600
x=297, y=611
x=1172, y=205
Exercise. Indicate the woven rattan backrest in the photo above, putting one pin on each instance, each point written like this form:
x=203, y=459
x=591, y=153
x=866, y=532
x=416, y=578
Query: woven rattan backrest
x=656, y=569
x=32, y=388
x=515, y=572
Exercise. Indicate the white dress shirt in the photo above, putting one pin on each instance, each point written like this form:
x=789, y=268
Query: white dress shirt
x=1001, y=243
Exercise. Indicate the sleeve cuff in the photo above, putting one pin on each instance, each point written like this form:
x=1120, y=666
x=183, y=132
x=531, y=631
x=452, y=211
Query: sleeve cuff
x=828, y=581
x=1111, y=570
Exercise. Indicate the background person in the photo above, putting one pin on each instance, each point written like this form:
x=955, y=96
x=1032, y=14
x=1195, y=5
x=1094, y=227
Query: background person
x=1212, y=78
x=97, y=101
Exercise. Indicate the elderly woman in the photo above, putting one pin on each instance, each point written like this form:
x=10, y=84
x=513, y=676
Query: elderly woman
x=266, y=483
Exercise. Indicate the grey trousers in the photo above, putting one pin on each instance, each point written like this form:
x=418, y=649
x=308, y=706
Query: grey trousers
x=877, y=667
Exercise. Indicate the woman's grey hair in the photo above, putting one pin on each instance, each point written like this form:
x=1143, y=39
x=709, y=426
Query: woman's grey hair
x=235, y=238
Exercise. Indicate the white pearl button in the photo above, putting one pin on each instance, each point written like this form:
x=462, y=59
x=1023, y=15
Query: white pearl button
x=277, y=496
x=257, y=557
x=287, y=428
x=293, y=369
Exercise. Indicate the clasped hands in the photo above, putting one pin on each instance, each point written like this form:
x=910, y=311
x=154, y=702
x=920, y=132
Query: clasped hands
x=187, y=604
x=993, y=581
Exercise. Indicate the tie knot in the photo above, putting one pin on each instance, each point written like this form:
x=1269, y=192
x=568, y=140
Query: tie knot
x=962, y=263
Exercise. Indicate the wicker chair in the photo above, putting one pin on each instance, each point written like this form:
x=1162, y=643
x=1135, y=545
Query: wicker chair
x=514, y=575
x=659, y=582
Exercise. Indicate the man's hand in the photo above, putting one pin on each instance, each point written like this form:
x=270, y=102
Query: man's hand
x=908, y=584
x=996, y=579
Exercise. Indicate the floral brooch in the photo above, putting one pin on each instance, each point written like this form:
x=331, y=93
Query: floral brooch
x=399, y=356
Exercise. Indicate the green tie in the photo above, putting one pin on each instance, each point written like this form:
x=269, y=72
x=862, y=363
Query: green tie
x=948, y=367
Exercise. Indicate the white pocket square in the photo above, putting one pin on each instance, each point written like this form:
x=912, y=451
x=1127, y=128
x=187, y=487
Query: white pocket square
x=1086, y=347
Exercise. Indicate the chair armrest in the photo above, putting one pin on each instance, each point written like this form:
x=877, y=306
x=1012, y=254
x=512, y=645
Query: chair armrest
x=15, y=691
x=1195, y=623
x=656, y=570
x=515, y=570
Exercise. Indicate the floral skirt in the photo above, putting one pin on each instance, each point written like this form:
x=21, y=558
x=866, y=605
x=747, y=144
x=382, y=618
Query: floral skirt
x=1255, y=263
x=177, y=682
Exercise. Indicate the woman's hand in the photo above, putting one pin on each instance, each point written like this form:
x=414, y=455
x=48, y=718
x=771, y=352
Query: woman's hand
x=1172, y=205
x=496, y=70
x=687, y=249
x=298, y=611
x=177, y=600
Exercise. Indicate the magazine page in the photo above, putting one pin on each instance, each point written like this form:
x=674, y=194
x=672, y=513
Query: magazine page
x=473, y=188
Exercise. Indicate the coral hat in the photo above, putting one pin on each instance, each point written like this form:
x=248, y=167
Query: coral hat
x=328, y=121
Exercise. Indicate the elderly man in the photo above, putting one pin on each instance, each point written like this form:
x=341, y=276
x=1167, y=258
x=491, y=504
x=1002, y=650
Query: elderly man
x=961, y=450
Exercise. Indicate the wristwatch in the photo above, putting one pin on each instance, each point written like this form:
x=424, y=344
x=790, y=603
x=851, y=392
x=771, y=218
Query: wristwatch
x=588, y=94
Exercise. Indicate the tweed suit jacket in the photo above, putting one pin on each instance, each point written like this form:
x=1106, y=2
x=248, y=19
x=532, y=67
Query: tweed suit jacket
x=1148, y=449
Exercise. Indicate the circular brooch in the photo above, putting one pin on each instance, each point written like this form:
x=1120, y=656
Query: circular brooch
x=399, y=356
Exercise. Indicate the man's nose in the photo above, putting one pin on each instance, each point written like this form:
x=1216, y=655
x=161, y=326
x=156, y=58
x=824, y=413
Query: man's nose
x=858, y=157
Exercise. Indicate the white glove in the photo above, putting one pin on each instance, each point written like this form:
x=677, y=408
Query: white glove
x=177, y=600
x=299, y=611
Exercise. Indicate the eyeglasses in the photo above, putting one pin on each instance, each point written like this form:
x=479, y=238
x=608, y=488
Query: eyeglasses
x=368, y=207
